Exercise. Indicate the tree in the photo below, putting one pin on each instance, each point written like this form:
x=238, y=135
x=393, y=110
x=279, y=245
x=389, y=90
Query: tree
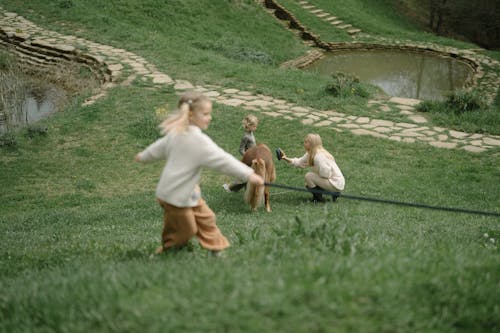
x=478, y=21
x=437, y=13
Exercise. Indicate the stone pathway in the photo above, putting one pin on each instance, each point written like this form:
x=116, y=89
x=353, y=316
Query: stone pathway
x=329, y=18
x=124, y=67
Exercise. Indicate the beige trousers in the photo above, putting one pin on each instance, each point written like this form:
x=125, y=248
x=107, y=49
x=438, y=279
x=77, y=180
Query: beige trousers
x=180, y=224
x=313, y=180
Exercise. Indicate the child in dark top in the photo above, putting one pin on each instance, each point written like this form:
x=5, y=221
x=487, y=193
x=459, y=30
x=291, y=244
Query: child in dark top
x=249, y=123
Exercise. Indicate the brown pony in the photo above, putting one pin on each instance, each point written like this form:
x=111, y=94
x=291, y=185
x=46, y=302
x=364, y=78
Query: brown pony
x=260, y=159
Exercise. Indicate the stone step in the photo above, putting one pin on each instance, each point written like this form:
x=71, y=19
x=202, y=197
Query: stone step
x=353, y=31
x=31, y=53
x=345, y=26
x=33, y=62
x=38, y=50
x=59, y=48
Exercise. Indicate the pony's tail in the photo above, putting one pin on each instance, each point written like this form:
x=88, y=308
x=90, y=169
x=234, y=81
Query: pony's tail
x=254, y=194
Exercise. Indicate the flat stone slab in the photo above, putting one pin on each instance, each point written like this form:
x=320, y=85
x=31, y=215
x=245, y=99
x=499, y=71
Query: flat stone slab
x=458, y=135
x=232, y=102
x=313, y=116
x=65, y=47
x=183, y=85
x=382, y=129
x=438, y=129
x=379, y=122
x=363, y=120
x=212, y=93
x=492, y=142
x=299, y=109
x=323, y=123
x=247, y=98
x=162, y=79
x=410, y=134
x=408, y=140
x=337, y=119
x=244, y=93
x=333, y=113
x=405, y=101
x=272, y=114
x=442, y=137
x=474, y=149
x=406, y=125
x=361, y=131
x=259, y=103
x=447, y=145
x=115, y=67
x=406, y=112
x=417, y=119
x=405, y=107
x=349, y=126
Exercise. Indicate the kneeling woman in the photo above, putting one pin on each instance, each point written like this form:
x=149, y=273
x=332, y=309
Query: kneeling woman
x=325, y=174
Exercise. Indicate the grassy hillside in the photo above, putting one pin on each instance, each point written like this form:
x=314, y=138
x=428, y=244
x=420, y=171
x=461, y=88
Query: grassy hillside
x=78, y=220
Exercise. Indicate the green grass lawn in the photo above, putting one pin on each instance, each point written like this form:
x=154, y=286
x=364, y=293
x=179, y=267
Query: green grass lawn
x=79, y=221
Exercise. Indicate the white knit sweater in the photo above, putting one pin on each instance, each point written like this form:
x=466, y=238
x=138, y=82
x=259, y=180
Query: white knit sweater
x=324, y=167
x=186, y=154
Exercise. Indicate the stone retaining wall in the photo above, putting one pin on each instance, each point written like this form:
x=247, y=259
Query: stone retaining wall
x=303, y=61
x=41, y=54
x=283, y=14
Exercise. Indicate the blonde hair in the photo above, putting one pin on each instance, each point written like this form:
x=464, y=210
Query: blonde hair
x=315, y=146
x=249, y=121
x=179, y=120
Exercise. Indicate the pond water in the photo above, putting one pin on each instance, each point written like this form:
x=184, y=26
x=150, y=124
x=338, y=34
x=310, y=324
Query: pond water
x=28, y=104
x=402, y=74
x=39, y=104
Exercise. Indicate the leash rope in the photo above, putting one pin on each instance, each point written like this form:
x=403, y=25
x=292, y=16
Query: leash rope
x=393, y=202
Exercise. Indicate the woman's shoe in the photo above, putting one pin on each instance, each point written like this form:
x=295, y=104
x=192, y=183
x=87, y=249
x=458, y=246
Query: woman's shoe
x=317, y=197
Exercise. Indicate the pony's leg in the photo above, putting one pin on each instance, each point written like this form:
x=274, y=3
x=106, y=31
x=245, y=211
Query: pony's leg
x=266, y=198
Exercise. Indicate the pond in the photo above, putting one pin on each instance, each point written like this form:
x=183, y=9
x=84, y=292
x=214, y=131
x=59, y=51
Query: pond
x=28, y=104
x=397, y=73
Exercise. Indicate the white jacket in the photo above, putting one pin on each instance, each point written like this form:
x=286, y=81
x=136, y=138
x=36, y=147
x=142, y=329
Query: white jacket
x=186, y=153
